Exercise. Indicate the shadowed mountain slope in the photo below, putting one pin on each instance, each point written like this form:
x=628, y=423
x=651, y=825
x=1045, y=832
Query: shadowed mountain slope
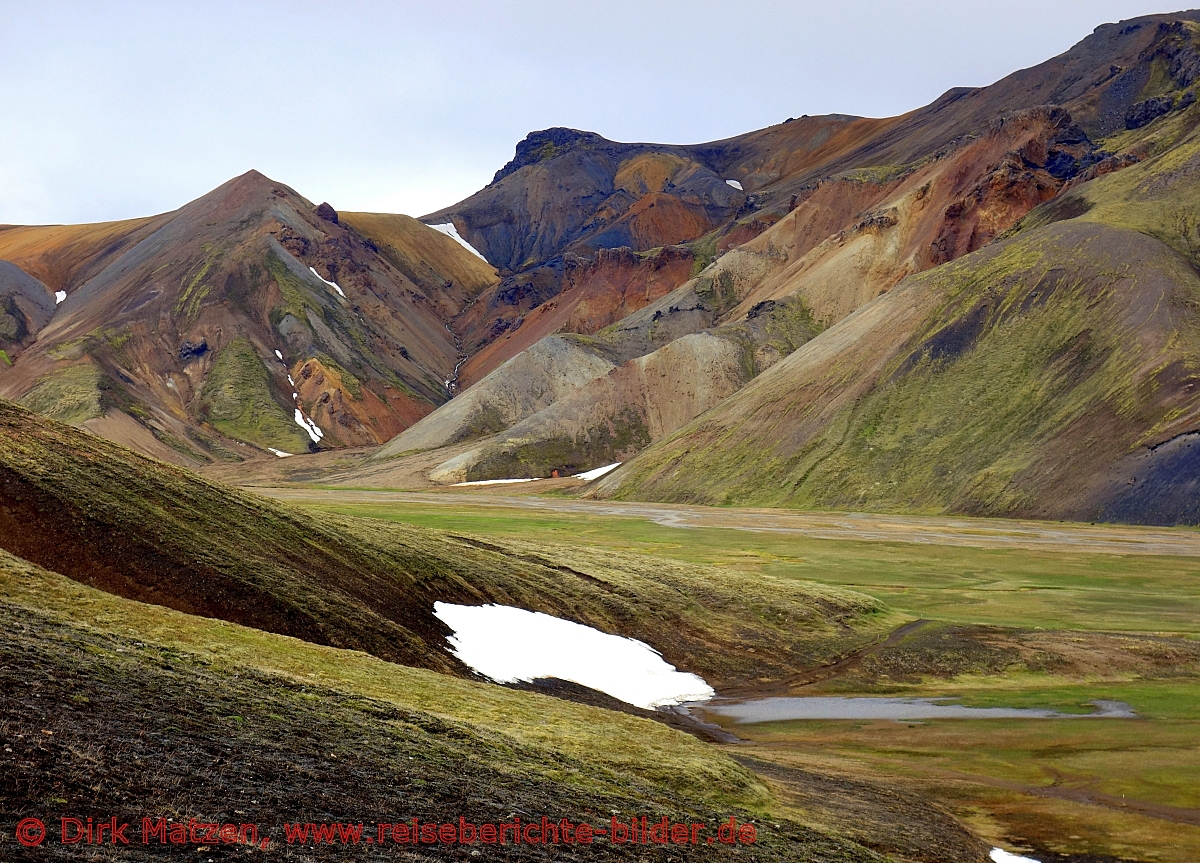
x=26, y=305
x=189, y=333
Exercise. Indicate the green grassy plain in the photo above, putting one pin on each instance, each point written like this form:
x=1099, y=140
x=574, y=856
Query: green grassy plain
x=1118, y=787
x=1006, y=587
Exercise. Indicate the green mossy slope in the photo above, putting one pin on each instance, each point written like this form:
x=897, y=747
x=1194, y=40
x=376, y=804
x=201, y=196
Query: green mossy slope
x=237, y=400
x=145, y=530
x=116, y=708
x=69, y=395
x=1018, y=380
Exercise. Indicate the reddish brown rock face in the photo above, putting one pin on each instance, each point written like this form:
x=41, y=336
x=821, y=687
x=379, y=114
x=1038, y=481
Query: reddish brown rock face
x=618, y=283
x=744, y=232
x=349, y=412
x=596, y=293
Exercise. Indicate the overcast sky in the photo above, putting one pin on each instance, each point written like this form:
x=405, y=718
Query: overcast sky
x=115, y=110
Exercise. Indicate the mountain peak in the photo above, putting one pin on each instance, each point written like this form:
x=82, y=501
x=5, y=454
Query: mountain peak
x=546, y=144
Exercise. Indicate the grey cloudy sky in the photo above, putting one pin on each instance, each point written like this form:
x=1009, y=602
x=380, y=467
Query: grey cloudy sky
x=114, y=110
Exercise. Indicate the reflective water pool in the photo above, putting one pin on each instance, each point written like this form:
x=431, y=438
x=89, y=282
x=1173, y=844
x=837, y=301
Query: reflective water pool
x=899, y=709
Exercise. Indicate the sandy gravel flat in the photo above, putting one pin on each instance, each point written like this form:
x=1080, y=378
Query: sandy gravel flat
x=935, y=530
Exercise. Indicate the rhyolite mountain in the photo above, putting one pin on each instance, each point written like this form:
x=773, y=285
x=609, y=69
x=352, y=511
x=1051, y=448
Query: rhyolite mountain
x=951, y=220
x=248, y=316
x=639, y=287
x=659, y=367
x=568, y=193
x=1052, y=374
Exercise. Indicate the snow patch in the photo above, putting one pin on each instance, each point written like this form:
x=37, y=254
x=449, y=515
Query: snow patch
x=59, y=296
x=280, y=452
x=510, y=644
x=326, y=281
x=596, y=473
x=452, y=232
x=314, y=430
x=735, y=184
x=498, y=481
x=999, y=855
x=279, y=355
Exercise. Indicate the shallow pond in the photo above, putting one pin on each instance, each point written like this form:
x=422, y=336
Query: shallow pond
x=899, y=709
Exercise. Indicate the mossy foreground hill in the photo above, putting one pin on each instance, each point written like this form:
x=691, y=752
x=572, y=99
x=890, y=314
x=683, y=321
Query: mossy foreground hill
x=104, y=516
x=114, y=708
x=1052, y=374
x=206, y=709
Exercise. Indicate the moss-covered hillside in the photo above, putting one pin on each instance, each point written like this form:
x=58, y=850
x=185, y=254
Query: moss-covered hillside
x=114, y=708
x=142, y=529
x=1051, y=374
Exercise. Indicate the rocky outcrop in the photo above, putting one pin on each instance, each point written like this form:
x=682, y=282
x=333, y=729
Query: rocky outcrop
x=326, y=212
x=26, y=305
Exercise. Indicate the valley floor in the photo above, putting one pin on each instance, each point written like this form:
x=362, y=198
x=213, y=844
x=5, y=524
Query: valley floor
x=1013, y=614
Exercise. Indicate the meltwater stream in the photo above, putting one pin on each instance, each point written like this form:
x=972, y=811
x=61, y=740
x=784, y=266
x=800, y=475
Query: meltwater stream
x=510, y=644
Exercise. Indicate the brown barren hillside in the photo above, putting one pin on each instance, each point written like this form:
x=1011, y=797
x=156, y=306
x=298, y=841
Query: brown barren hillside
x=65, y=256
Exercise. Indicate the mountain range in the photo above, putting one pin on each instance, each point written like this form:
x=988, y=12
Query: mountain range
x=983, y=305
